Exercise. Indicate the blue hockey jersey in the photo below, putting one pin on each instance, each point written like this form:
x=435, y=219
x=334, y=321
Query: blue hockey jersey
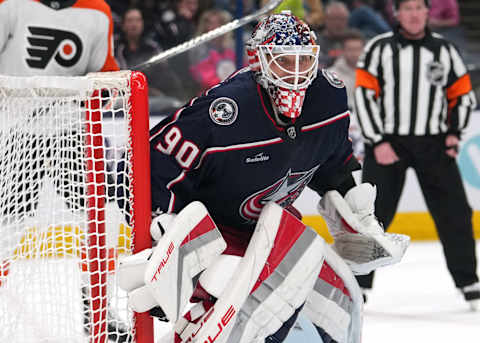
x=225, y=149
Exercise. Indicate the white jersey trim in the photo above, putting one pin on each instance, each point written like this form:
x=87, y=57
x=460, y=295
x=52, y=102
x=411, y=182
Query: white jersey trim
x=325, y=122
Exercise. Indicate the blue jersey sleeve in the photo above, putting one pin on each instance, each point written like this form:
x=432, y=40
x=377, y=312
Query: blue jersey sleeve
x=341, y=161
x=176, y=146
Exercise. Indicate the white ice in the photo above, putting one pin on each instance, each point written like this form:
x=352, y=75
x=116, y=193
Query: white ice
x=415, y=301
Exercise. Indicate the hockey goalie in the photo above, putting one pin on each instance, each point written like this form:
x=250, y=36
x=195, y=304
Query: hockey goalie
x=243, y=270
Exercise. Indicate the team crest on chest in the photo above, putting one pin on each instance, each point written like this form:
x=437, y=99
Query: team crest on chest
x=435, y=73
x=333, y=78
x=283, y=191
x=223, y=111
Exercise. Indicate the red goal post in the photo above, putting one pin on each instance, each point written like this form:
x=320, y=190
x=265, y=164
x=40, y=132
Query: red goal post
x=74, y=196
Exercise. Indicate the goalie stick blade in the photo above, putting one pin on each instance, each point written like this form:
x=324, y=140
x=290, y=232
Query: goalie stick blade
x=192, y=43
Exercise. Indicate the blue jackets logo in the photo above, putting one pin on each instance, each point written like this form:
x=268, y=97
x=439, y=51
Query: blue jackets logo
x=284, y=192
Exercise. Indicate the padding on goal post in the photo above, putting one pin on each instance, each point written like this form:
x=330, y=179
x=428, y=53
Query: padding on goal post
x=74, y=196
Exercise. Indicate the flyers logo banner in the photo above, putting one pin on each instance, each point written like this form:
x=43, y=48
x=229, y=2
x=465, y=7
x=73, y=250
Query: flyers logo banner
x=65, y=47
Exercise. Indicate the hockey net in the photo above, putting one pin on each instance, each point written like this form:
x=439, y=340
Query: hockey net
x=74, y=197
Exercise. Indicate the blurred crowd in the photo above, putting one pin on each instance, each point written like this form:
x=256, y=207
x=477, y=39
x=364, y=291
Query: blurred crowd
x=145, y=28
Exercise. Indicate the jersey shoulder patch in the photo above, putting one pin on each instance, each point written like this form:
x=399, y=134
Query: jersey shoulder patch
x=333, y=78
x=223, y=111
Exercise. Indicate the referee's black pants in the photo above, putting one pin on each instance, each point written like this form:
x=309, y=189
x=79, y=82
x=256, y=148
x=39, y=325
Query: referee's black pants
x=444, y=194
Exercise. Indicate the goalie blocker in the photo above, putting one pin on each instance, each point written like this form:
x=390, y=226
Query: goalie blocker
x=286, y=268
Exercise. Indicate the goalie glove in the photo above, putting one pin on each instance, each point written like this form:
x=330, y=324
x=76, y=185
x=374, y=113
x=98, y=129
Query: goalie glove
x=359, y=237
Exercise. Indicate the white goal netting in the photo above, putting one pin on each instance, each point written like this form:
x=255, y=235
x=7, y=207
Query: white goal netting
x=68, y=204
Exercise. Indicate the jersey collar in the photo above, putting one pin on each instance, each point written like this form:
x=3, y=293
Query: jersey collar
x=289, y=132
x=58, y=4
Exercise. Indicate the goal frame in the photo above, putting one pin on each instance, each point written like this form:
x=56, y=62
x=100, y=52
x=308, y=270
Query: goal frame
x=140, y=190
x=95, y=257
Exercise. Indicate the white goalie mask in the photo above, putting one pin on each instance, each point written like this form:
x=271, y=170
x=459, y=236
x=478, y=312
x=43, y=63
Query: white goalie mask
x=284, y=57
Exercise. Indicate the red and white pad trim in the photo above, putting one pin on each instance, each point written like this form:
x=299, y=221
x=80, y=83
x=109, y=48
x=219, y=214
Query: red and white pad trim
x=287, y=279
x=336, y=303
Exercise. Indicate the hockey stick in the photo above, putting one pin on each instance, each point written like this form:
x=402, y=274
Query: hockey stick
x=192, y=43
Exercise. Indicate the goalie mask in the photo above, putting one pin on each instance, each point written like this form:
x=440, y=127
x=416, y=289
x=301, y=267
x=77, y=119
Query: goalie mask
x=283, y=54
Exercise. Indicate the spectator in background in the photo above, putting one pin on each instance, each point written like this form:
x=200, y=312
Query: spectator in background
x=444, y=14
x=133, y=48
x=330, y=39
x=345, y=68
x=385, y=8
x=152, y=12
x=364, y=18
x=212, y=62
x=315, y=14
x=118, y=7
x=204, y=5
x=311, y=11
x=345, y=65
x=231, y=5
x=445, y=19
x=176, y=24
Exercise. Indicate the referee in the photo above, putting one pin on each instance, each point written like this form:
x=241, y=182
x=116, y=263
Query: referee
x=413, y=99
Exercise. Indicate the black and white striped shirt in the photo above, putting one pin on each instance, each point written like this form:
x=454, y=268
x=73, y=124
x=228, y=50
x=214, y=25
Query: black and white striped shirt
x=411, y=87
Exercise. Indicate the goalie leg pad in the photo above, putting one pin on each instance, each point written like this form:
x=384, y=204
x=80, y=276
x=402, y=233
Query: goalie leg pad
x=270, y=283
x=335, y=304
x=189, y=246
x=287, y=279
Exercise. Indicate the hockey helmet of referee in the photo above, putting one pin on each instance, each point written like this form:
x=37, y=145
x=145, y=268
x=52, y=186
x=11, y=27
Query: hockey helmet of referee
x=284, y=56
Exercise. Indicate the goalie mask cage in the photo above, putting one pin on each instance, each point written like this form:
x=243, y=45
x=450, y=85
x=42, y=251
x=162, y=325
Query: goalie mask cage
x=74, y=196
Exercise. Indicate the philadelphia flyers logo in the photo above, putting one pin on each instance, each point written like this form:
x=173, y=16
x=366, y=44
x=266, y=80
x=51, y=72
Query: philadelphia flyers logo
x=64, y=46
